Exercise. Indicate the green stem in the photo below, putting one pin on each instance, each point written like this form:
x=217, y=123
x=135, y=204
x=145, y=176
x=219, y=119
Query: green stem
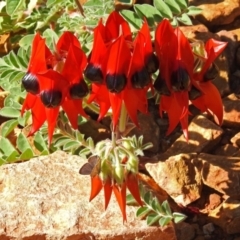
x=123, y=119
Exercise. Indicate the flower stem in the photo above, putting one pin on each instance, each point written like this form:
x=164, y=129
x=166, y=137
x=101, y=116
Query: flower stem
x=123, y=119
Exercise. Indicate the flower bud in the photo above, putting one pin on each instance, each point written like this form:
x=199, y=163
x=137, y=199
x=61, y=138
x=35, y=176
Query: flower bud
x=30, y=83
x=132, y=164
x=119, y=174
x=79, y=90
x=51, y=98
x=116, y=82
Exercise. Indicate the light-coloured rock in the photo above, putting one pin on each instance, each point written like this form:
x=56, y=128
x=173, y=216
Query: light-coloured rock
x=179, y=176
x=235, y=140
x=216, y=13
x=204, y=135
x=47, y=199
x=231, y=111
x=227, y=216
x=221, y=173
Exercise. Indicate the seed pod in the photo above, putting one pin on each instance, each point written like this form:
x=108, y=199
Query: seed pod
x=152, y=63
x=30, y=83
x=140, y=79
x=51, y=98
x=161, y=86
x=79, y=90
x=180, y=80
x=116, y=82
x=93, y=73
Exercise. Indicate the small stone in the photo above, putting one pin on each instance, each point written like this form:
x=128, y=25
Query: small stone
x=214, y=201
x=179, y=176
x=185, y=231
x=208, y=229
x=221, y=173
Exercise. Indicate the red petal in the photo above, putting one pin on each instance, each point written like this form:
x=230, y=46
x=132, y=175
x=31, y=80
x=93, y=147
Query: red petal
x=38, y=115
x=100, y=95
x=67, y=39
x=96, y=186
x=74, y=65
x=28, y=102
x=107, y=191
x=52, y=115
x=116, y=103
x=132, y=185
x=120, y=193
x=148, y=42
x=116, y=25
x=210, y=100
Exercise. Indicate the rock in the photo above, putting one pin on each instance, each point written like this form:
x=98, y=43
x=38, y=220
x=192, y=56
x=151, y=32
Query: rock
x=231, y=111
x=216, y=13
x=226, y=150
x=208, y=228
x=185, y=231
x=214, y=201
x=234, y=82
x=149, y=129
x=46, y=198
x=235, y=140
x=221, y=173
x=204, y=135
x=227, y=216
x=179, y=176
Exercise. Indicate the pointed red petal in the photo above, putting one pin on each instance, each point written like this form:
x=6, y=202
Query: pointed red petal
x=120, y=194
x=116, y=103
x=96, y=186
x=52, y=115
x=28, y=102
x=132, y=185
x=210, y=100
x=116, y=25
x=146, y=33
x=107, y=191
x=74, y=65
x=67, y=39
x=100, y=95
x=38, y=115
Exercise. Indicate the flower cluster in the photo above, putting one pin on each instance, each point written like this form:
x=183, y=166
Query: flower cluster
x=120, y=69
x=53, y=80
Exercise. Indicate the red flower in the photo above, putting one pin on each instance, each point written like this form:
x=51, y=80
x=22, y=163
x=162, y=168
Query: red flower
x=53, y=83
x=120, y=72
x=176, y=71
x=210, y=100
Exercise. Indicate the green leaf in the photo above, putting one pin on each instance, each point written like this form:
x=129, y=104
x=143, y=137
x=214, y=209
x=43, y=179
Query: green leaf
x=39, y=143
x=6, y=147
x=12, y=157
x=8, y=127
x=142, y=212
x=27, y=154
x=192, y=11
x=178, y=217
x=185, y=19
x=157, y=206
x=149, y=12
x=182, y=3
x=26, y=41
x=13, y=6
x=9, y=112
x=22, y=143
x=166, y=208
x=163, y=221
x=132, y=18
x=71, y=145
x=51, y=38
x=84, y=152
x=152, y=218
x=175, y=8
x=163, y=8
x=22, y=120
x=148, y=198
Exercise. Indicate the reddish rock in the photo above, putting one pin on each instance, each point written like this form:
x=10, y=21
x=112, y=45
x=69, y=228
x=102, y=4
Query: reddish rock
x=46, y=198
x=231, y=111
x=227, y=216
x=204, y=135
x=216, y=13
x=179, y=176
x=221, y=173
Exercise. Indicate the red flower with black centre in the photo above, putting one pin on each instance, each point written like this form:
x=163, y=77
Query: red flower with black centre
x=210, y=100
x=176, y=69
